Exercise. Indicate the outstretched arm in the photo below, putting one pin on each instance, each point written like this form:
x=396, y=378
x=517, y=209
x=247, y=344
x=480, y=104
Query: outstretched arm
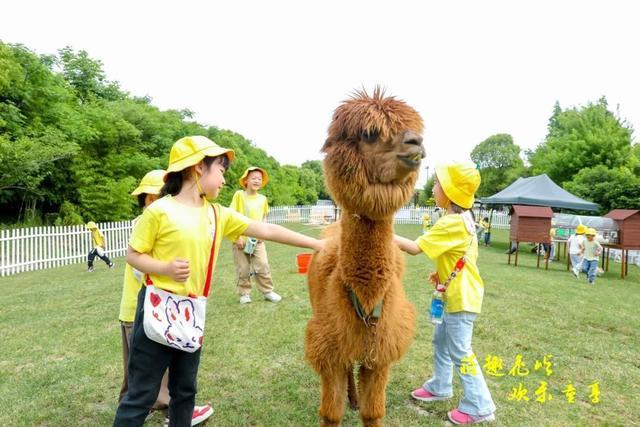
x=279, y=234
x=406, y=245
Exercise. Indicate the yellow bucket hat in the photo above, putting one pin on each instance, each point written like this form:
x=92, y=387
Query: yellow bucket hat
x=460, y=181
x=590, y=232
x=581, y=228
x=245, y=175
x=91, y=225
x=151, y=183
x=190, y=150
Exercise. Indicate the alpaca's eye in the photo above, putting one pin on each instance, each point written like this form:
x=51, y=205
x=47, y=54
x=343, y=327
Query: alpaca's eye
x=370, y=135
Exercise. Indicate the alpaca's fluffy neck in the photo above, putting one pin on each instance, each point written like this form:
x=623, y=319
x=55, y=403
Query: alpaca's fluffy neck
x=366, y=256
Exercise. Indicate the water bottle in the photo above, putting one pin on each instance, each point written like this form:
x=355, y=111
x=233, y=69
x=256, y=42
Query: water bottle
x=437, y=305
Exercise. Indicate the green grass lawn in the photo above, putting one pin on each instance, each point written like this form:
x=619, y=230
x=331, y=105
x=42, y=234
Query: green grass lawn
x=60, y=360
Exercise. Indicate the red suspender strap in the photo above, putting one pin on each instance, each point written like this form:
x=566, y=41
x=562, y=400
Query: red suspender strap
x=212, y=254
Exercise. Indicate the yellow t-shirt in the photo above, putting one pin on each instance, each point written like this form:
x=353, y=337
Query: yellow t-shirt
x=168, y=230
x=130, y=289
x=446, y=242
x=258, y=207
x=97, y=237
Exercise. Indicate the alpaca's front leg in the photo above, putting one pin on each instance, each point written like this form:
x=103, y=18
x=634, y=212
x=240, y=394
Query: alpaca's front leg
x=371, y=389
x=334, y=389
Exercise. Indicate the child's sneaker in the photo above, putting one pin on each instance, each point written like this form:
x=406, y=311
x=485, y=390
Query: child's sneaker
x=426, y=396
x=90, y=270
x=272, y=296
x=200, y=413
x=245, y=299
x=112, y=265
x=575, y=272
x=459, y=417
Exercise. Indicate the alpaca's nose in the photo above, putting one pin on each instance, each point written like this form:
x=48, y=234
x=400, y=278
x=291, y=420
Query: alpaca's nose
x=412, y=138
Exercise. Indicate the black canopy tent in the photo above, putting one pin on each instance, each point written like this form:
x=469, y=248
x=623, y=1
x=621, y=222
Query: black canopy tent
x=539, y=191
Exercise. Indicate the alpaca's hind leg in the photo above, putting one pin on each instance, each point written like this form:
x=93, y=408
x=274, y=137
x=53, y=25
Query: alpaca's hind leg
x=371, y=390
x=334, y=389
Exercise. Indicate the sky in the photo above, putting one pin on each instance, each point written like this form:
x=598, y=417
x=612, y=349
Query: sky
x=274, y=71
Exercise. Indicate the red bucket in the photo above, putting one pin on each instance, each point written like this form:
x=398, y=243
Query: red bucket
x=303, y=261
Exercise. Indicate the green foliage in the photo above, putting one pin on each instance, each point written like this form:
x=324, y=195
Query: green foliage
x=580, y=138
x=73, y=144
x=499, y=162
x=69, y=215
x=610, y=188
x=426, y=195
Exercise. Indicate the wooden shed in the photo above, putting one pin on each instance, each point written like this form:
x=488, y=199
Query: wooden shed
x=530, y=224
x=628, y=226
x=628, y=221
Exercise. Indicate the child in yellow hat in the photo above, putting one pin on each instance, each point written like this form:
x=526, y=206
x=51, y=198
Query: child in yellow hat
x=590, y=249
x=574, y=242
x=172, y=243
x=453, y=244
x=146, y=193
x=98, y=247
x=250, y=256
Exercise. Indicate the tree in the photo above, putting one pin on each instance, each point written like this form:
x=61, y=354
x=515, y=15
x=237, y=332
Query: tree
x=426, y=196
x=316, y=167
x=611, y=188
x=499, y=162
x=580, y=138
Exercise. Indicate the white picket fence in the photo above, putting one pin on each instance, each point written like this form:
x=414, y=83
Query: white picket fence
x=38, y=248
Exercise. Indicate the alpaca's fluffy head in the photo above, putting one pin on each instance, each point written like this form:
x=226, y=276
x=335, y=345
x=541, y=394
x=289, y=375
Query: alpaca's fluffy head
x=373, y=153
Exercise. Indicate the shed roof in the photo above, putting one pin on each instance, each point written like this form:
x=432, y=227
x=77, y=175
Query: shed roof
x=621, y=214
x=533, y=211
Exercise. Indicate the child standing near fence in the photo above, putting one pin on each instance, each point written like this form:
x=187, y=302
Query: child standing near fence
x=452, y=243
x=173, y=242
x=147, y=192
x=98, y=249
x=250, y=255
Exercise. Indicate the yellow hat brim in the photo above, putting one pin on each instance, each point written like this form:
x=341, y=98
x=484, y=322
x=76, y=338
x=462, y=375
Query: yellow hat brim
x=456, y=196
x=195, y=158
x=148, y=189
x=245, y=175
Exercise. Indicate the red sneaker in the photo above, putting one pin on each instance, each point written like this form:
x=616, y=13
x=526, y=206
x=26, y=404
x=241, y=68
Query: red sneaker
x=426, y=396
x=459, y=417
x=201, y=413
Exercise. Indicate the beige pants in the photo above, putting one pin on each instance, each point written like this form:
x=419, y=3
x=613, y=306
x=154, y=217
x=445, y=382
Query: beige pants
x=162, y=401
x=257, y=264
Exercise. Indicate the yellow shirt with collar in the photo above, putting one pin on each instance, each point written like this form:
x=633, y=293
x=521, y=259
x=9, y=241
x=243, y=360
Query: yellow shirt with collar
x=258, y=207
x=446, y=242
x=168, y=230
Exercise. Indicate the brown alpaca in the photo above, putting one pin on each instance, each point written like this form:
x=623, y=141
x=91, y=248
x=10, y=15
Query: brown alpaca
x=373, y=152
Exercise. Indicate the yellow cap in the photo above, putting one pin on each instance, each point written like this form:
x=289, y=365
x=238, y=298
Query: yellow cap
x=91, y=225
x=459, y=181
x=151, y=183
x=581, y=228
x=265, y=176
x=190, y=150
x=590, y=232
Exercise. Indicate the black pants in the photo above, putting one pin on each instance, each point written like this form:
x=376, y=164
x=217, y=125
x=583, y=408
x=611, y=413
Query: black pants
x=93, y=254
x=147, y=362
